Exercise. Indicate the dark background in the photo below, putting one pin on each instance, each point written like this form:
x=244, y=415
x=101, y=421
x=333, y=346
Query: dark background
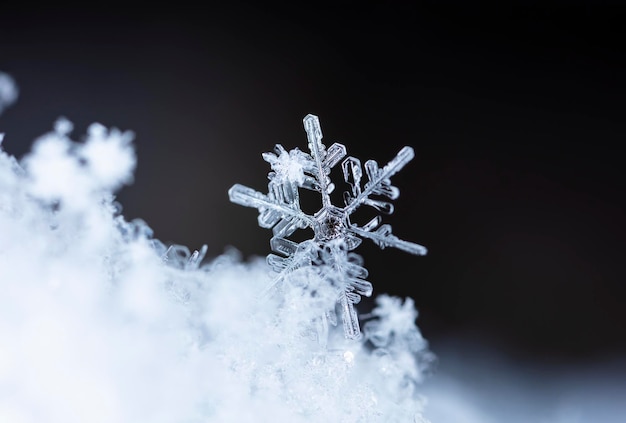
x=517, y=117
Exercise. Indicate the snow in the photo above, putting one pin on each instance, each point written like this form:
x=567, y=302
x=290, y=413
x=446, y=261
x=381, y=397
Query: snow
x=101, y=322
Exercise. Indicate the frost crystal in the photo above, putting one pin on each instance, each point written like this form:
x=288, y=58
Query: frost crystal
x=328, y=254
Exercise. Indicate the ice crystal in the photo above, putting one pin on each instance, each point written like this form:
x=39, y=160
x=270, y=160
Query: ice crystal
x=328, y=254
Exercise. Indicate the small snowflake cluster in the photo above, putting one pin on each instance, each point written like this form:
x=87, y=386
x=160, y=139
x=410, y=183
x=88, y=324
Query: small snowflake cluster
x=328, y=255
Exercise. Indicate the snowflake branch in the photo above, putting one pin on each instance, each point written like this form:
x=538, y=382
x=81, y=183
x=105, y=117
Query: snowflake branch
x=378, y=177
x=314, y=135
x=248, y=197
x=383, y=238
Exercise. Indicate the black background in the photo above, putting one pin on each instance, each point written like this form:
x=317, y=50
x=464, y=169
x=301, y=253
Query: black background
x=517, y=117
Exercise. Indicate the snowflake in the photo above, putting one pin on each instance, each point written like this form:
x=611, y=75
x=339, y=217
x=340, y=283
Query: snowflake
x=335, y=235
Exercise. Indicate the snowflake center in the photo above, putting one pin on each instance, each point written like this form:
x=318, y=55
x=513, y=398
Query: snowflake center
x=331, y=224
x=332, y=227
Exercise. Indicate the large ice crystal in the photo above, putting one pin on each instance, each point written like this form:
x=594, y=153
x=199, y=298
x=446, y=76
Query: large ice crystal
x=335, y=235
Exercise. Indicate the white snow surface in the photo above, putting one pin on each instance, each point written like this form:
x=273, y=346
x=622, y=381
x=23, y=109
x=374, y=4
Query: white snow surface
x=99, y=322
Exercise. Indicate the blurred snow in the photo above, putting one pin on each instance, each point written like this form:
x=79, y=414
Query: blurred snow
x=8, y=91
x=477, y=383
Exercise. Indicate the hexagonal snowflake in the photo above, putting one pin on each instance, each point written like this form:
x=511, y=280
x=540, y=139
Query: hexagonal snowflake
x=335, y=236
